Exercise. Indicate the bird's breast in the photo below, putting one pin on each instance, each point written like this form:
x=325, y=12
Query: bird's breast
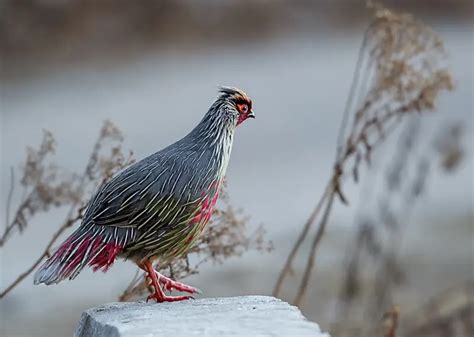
x=206, y=207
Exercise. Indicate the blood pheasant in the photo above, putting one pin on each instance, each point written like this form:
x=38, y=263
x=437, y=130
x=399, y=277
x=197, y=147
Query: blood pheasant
x=155, y=209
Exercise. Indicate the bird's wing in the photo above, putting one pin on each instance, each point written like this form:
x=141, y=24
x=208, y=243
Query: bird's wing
x=145, y=195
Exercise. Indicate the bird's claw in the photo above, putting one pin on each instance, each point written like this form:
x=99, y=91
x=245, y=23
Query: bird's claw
x=165, y=298
x=170, y=284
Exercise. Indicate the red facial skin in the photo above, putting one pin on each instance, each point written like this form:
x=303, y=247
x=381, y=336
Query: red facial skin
x=245, y=109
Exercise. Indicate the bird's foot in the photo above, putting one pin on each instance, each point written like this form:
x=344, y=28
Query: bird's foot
x=170, y=284
x=156, y=278
x=165, y=298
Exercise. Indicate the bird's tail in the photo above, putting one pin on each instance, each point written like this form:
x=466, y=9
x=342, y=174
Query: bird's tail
x=97, y=247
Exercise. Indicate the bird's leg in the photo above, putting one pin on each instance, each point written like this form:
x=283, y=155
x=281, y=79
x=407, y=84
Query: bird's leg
x=158, y=295
x=170, y=284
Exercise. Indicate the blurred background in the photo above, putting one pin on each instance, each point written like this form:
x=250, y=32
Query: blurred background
x=153, y=68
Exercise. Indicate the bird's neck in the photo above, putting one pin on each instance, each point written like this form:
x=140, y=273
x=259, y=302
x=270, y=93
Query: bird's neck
x=213, y=138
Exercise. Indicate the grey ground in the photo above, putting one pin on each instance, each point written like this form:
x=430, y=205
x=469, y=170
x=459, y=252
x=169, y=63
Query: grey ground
x=225, y=316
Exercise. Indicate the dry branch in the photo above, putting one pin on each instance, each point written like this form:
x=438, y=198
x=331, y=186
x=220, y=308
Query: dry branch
x=46, y=186
x=404, y=74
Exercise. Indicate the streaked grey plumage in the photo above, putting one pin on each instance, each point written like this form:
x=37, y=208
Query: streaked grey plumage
x=157, y=207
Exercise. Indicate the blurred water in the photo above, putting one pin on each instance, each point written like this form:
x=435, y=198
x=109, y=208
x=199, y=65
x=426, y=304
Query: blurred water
x=279, y=164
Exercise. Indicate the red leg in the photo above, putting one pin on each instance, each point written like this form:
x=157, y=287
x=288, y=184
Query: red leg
x=159, y=295
x=170, y=284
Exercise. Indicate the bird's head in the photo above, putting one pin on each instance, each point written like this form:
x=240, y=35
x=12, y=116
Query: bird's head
x=235, y=104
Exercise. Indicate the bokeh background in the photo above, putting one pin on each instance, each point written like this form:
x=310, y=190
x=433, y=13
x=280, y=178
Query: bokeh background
x=153, y=68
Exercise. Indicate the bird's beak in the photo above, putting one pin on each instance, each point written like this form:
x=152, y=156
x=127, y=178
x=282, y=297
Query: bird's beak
x=251, y=114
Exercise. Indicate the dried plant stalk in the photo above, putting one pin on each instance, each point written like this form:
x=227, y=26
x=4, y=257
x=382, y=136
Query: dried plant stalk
x=46, y=185
x=400, y=72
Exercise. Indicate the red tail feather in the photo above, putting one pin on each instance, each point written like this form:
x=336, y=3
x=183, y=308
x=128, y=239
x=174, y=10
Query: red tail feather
x=72, y=256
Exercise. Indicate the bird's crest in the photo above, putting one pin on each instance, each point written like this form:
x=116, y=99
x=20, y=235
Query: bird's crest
x=234, y=94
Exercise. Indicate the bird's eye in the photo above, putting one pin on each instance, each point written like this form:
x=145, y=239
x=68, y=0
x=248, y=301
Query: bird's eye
x=243, y=108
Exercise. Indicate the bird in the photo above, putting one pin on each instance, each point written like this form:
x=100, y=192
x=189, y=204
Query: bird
x=154, y=210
